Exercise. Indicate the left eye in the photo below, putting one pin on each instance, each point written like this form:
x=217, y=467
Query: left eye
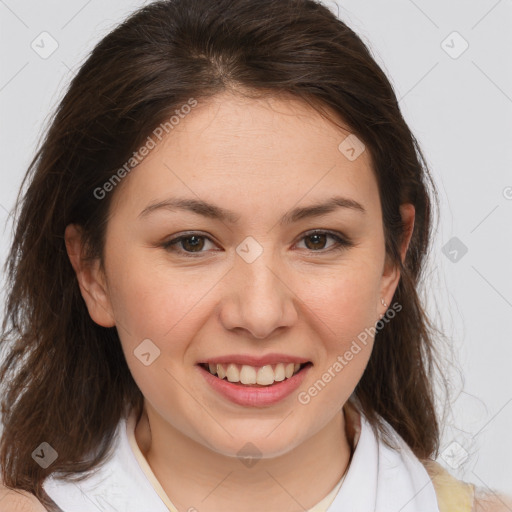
x=319, y=237
x=194, y=243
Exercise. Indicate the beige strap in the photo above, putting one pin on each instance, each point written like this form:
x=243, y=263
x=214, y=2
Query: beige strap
x=452, y=495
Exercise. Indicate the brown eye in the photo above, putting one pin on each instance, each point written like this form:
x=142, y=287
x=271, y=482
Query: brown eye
x=188, y=244
x=316, y=241
x=194, y=243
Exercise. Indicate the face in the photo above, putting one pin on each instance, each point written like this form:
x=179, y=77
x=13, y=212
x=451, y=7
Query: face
x=257, y=278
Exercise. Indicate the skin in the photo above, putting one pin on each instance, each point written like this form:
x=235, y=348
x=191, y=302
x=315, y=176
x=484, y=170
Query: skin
x=19, y=500
x=258, y=158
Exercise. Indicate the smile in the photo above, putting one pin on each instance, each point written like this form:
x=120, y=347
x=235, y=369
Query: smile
x=252, y=375
x=239, y=383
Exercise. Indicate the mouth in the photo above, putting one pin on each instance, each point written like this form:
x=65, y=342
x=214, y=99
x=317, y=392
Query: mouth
x=254, y=376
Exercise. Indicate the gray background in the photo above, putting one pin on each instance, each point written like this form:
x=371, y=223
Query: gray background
x=458, y=104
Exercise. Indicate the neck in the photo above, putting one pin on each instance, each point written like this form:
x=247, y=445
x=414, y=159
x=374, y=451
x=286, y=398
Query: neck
x=192, y=474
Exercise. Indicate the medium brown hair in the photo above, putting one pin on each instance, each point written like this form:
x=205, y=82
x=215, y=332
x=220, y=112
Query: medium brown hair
x=65, y=378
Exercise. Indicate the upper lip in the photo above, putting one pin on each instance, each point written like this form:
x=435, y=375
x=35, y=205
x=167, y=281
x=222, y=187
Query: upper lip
x=256, y=361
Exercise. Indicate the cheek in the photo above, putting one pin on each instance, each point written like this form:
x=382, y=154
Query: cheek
x=154, y=300
x=154, y=312
x=342, y=313
x=346, y=298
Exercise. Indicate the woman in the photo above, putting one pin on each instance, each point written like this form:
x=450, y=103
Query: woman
x=213, y=281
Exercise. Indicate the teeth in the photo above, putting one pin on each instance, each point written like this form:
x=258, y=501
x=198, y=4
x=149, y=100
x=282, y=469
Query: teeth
x=248, y=375
x=279, y=372
x=232, y=373
x=264, y=376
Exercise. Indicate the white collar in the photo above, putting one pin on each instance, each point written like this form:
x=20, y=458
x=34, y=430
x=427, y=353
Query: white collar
x=382, y=479
x=379, y=479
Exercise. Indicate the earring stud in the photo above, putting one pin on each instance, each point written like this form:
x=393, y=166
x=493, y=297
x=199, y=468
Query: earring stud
x=383, y=303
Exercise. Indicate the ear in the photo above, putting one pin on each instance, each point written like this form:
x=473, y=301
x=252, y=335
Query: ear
x=407, y=212
x=391, y=275
x=91, y=278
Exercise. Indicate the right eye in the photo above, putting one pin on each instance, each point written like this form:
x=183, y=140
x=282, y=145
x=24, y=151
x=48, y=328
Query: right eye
x=192, y=241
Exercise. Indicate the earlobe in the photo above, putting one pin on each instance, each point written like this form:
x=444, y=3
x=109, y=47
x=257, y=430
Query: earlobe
x=91, y=279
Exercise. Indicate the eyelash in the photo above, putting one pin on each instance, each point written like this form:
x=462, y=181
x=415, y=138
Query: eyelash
x=341, y=242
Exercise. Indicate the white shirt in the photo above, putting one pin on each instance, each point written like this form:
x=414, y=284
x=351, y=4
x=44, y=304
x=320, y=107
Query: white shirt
x=379, y=479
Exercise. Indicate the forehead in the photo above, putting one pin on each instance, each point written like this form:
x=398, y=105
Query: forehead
x=236, y=150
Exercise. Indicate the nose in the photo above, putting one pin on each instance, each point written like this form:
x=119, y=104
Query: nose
x=258, y=298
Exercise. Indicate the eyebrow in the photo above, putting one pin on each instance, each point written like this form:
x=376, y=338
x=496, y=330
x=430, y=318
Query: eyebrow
x=215, y=212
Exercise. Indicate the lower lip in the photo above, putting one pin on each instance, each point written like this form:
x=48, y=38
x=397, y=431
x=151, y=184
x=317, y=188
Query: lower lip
x=255, y=396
